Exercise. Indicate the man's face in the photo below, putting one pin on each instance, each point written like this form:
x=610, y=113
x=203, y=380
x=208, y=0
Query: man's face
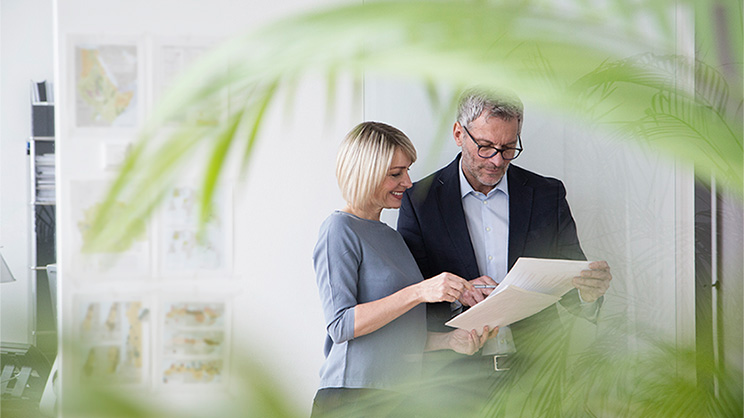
x=484, y=173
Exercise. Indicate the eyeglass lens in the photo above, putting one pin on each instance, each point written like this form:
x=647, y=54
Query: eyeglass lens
x=486, y=151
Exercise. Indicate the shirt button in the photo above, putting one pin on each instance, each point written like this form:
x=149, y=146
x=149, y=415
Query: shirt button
x=485, y=202
x=488, y=229
x=490, y=258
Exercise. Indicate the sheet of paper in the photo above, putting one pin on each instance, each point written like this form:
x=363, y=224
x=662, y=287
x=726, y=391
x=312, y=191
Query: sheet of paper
x=552, y=277
x=531, y=285
x=510, y=304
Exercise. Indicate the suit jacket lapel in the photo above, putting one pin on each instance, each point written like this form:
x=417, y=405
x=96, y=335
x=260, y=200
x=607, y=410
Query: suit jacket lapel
x=450, y=206
x=520, y=207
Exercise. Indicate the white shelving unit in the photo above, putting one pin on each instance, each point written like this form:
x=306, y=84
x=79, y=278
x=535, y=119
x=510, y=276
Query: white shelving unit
x=42, y=182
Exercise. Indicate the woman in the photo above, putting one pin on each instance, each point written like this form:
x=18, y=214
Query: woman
x=370, y=287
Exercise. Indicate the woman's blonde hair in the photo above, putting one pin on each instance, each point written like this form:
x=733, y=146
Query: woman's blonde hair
x=364, y=158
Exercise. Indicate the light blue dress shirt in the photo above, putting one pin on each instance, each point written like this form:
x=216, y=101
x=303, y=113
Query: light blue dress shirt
x=487, y=217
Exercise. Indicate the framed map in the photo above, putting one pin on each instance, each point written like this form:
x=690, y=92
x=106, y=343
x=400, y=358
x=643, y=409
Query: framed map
x=185, y=248
x=194, y=343
x=107, y=83
x=130, y=261
x=172, y=58
x=113, y=340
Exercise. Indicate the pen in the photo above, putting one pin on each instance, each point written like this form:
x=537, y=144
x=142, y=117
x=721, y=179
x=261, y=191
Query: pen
x=485, y=286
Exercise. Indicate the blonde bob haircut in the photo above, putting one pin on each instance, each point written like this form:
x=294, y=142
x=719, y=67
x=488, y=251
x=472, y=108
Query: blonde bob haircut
x=364, y=159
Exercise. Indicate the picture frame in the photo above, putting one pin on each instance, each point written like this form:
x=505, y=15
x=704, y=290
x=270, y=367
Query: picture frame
x=113, y=339
x=107, y=74
x=193, y=343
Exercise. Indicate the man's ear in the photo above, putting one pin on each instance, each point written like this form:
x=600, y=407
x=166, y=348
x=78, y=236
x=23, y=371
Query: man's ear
x=457, y=133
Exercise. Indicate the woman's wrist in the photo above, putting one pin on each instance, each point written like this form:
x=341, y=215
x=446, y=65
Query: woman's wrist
x=438, y=341
x=416, y=295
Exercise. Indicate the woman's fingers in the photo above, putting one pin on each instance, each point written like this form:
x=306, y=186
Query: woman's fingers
x=445, y=287
x=484, y=336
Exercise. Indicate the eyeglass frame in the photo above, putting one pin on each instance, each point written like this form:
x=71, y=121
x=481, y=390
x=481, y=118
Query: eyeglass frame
x=498, y=150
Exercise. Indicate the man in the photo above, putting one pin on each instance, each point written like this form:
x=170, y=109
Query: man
x=477, y=215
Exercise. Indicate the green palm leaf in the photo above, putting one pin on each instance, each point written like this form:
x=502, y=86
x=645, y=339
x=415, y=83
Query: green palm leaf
x=549, y=56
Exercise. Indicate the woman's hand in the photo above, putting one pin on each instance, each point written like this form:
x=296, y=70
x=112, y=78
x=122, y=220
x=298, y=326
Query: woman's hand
x=371, y=316
x=469, y=343
x=444, y=287
x=472, y=297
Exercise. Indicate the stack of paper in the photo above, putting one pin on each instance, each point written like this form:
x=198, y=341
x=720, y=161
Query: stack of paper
x=531, y=285
x=45, y=180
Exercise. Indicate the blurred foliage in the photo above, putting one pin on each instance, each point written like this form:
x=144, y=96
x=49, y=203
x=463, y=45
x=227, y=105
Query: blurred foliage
x=589, y=60
x=566, y=369
x=255, y=393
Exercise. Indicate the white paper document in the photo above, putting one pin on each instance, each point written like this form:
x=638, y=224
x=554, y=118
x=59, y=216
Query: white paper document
x=531, y=285
x=552, y=277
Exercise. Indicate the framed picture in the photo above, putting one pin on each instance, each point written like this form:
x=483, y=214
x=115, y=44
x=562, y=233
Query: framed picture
x=187, y=249
x=172, y=58
x=194, y=343
x=131, y=261
x=107, y=76
x=113, y=339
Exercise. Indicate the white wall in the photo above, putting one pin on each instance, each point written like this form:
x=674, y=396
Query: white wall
x=276, y=315
x=623, y=204
x=622, y=195
x=631, y=204
x=27, y=54
x=283, y=203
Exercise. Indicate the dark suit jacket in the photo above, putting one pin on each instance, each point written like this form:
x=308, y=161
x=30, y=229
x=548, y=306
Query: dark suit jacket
x=432, y=222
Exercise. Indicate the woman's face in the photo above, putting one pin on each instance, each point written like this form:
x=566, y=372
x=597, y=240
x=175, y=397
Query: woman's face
x=390, y=192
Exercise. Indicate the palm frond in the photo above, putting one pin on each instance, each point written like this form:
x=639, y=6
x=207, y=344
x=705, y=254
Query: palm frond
x=534, y=50
x=700, y=126
x=439, y=41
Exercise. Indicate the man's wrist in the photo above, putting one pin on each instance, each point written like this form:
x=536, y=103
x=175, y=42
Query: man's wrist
x=589, y=310
x=584, y=302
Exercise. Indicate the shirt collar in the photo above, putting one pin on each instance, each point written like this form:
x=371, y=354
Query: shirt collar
x=466, y=188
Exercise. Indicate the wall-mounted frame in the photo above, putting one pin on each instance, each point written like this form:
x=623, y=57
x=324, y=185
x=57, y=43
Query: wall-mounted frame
x=194, y=341
x=171, y=59
x=132, y=262
x=187, y=250
x=113, y=339
x=108, y=79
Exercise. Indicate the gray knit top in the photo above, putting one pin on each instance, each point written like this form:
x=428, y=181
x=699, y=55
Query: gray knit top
x=356, y=261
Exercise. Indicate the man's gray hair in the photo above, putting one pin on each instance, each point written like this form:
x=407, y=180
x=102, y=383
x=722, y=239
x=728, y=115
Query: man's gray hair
x=503, y=105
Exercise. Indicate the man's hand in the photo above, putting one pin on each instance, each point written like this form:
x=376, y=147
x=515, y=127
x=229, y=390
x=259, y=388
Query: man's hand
x=593, y=283
x=471, y=297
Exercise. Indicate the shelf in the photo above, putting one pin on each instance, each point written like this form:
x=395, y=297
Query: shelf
x=41, y=146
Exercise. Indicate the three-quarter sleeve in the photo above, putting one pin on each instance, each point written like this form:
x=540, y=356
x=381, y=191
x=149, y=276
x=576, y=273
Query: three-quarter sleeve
x=358, y=261
x=336, y=260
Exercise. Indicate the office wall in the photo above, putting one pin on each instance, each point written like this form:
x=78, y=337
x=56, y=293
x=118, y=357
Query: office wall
x=623, y=196
x=26, y=54
x=272, y=216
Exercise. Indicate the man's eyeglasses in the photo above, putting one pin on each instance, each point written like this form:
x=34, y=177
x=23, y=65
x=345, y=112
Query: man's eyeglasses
x=487, y=151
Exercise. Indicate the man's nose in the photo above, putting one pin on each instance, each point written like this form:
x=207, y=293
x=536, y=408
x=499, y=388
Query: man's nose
x=497, y=159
